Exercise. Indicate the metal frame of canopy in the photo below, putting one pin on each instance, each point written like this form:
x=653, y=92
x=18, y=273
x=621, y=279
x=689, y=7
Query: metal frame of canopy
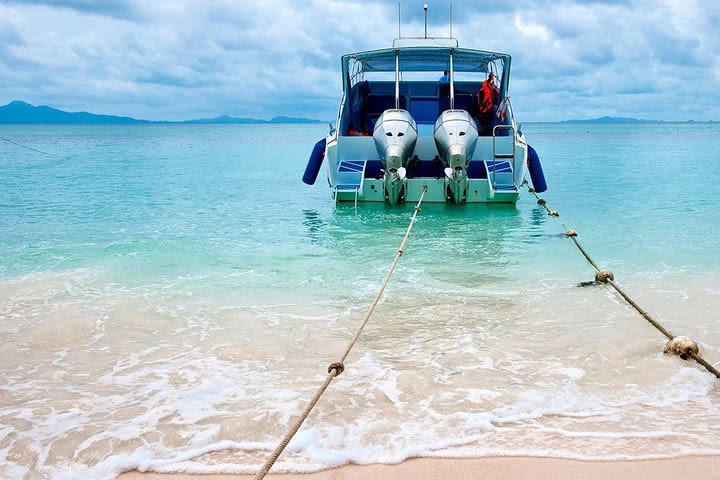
x=423, y=59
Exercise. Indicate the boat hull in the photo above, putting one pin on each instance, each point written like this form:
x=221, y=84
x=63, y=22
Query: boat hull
x=478, y=192
x=354, y=171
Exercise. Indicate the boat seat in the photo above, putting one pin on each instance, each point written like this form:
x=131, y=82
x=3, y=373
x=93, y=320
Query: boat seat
x=373, y=169
x=377, y=104
x=463, y=101
x=358, y=94
x=476, y=169
x=424, y=110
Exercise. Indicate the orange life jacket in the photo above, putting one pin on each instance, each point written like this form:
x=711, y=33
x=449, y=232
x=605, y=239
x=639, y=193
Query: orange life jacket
x=487, y=95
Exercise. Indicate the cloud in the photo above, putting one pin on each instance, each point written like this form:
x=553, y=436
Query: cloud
x=191, y=58
x=124, y=9
x=10, y=28
x=532, y=30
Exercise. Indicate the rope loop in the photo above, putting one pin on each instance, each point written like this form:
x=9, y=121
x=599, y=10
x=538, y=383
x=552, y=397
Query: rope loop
x=603, y=275
x=339, y=367
x=681, y=346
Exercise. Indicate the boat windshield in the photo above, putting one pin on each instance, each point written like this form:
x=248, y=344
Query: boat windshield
x=423, y=59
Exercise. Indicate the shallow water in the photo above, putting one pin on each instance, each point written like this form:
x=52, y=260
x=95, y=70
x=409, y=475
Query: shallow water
x=171, y=295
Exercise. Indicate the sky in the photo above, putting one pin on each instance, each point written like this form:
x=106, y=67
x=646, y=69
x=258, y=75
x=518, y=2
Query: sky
x=182, y=59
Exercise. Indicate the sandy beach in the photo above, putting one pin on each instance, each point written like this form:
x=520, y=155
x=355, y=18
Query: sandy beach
x=498, y=468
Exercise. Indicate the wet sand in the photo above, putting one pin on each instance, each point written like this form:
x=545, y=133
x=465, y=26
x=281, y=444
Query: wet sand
x=497, y=468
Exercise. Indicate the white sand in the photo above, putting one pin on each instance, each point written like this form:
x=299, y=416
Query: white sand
x=496, y=468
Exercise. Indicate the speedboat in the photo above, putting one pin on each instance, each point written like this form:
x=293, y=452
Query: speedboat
x=400, y=129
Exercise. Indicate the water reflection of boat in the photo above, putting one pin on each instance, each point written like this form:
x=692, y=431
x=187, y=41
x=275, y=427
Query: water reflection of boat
x=400, y=129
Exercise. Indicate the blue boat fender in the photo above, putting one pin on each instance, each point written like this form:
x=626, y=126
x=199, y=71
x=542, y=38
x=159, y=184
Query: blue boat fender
x=536, y=172
x=315, y=162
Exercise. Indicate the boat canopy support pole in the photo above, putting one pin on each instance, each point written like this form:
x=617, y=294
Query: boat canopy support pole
x=452, y=83
x=397, y=80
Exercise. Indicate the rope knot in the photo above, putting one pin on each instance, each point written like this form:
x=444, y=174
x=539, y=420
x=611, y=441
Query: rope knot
x=337, y=366
x=541, y=201
x=681, y=346
x=400, y=253
x=553, y=213
x=604, y=275
x=571, y=233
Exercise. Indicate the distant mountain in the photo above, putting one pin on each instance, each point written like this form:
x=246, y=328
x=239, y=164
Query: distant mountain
x=612, y=120
x=282, y=119
x=225, y=119
x=19, y=112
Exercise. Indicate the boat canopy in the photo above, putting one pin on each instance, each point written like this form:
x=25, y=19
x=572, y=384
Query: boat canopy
x=423, y=59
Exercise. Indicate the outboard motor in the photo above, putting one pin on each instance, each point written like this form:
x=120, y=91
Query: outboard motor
x=395, y=135
x=456, y=135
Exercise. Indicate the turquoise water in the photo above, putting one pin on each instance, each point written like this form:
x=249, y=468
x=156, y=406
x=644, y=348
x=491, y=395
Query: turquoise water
x=173, y=200
x=148, y=272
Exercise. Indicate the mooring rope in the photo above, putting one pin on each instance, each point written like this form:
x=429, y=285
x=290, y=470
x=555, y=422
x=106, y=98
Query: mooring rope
x=682, y=346
x=34, y=149
x=336, y=368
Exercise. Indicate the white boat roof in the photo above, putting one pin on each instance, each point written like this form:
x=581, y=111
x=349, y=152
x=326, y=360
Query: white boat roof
x=425, y=58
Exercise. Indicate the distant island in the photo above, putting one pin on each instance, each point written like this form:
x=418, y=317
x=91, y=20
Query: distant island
x=607, y=119
x=235, y=120
x=19, y=112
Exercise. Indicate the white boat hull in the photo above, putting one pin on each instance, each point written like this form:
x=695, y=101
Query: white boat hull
x=353, y=165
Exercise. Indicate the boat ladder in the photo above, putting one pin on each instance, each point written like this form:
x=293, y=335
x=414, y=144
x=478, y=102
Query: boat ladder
x=500, y=172
x=355, y=188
